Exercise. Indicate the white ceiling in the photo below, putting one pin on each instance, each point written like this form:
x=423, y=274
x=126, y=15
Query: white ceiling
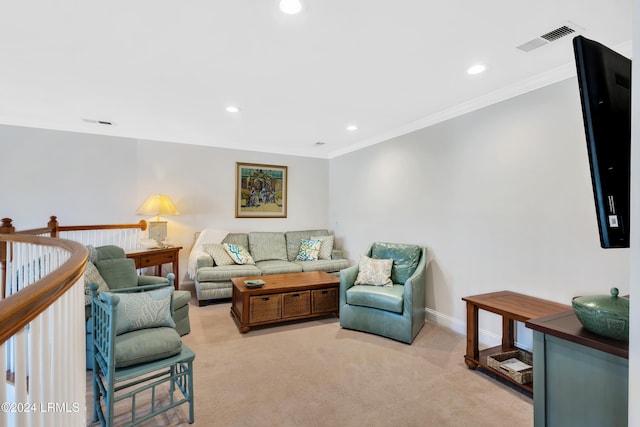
x=165, y=70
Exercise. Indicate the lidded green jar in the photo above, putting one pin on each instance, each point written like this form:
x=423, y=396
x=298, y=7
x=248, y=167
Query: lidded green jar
x=604, y=315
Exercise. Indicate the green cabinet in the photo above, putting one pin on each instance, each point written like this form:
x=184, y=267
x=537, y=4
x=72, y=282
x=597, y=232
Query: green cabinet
x=580, y=379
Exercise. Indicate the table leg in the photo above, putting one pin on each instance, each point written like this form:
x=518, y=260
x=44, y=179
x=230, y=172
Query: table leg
x=177, y=273
x=473, y=353
x=508, y=333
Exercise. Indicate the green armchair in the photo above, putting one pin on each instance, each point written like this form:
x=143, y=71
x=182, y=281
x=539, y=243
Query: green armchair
x=395, y=311
x=110, y=269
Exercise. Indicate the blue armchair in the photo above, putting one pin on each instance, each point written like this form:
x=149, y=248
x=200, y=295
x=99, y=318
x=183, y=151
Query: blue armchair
x=396, y=310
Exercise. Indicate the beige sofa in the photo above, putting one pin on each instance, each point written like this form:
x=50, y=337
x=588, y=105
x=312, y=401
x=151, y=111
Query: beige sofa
x=271, y=252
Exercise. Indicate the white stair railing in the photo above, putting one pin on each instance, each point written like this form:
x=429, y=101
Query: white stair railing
x=42, y=332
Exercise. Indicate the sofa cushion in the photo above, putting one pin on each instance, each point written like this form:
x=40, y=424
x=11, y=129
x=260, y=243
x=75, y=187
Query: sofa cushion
x=293, y=240
x=118, y=273
x=146, y=345
x=141, y=310
x=326, y=247
x=278, y=267
x=405, y=258
x=388, y=298
x=374, y=272
x=239, y=254
x=327, y=265
x=267, y=246
x=218, y=253
x=309, y=249
x=109, y=252
x=226, y=272
x=240, y=239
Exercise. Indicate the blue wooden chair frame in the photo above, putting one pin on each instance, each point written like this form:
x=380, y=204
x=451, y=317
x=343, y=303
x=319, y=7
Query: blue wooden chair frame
x=108, y=380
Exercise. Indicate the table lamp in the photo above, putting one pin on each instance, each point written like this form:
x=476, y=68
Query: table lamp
x=158, y=204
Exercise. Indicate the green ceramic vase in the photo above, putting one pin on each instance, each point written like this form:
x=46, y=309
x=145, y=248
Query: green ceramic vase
x=604, y=315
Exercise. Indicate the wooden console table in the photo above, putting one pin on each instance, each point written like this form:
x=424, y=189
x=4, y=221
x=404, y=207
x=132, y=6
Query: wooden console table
x=156, y=258
x=513, y=307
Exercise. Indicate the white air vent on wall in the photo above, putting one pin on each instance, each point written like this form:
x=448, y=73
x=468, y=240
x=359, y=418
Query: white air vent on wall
x=566, y=29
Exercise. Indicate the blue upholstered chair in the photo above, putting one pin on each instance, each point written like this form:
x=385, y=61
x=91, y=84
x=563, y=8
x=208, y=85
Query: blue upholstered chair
x=396, y=310
x=110, y=269
x=137, y=348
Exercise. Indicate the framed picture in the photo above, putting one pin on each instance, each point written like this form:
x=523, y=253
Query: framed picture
x=261, y=191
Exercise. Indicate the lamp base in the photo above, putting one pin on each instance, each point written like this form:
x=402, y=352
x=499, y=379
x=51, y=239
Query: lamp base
x=158, y=231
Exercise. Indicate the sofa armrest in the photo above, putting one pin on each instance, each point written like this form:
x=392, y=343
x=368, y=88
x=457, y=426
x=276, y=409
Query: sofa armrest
x=204, y=260
x=415, y=287
x=347, y=278
x=151, y=280
x=156, y=280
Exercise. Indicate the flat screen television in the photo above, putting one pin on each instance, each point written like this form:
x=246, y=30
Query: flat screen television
x=604, y=79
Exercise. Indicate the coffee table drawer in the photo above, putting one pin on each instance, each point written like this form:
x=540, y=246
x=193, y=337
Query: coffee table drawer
x=324, y=300
x=264, y=308
x=296, y=304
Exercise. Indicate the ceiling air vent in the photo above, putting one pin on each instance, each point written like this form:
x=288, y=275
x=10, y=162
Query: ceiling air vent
x=566, y=29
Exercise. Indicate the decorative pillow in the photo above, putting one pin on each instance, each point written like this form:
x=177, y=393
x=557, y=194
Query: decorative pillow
x=238, y=254
x=309, y=250
x=218, y=253
x=92, y=275
x=375, y=272
x=326, y=247
x=141, y=310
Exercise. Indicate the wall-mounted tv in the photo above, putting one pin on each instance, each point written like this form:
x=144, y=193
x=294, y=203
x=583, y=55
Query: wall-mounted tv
x=604, y=79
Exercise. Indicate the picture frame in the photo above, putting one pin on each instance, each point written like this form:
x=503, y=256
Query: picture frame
x=261, y=191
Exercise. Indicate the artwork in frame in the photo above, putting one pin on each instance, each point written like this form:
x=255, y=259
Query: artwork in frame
x=261, y=191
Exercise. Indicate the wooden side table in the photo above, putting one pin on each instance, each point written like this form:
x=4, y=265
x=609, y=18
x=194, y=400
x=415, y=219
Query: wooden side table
x=513, y=307
x=156, y=258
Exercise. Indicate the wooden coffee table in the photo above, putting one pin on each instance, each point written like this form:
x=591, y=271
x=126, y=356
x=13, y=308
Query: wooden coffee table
x=284, y=297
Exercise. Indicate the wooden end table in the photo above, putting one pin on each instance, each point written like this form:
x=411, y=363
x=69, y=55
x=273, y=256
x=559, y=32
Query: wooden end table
x=156, y=258
x=284, y=297
x=513, y=307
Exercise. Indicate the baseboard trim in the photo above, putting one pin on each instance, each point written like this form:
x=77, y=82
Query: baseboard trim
x=486, y=338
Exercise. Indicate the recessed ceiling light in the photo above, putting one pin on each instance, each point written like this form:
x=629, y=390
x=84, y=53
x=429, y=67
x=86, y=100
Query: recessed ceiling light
x=232, y=109
x=352, y=128
x=476, y=69
x=290, y=7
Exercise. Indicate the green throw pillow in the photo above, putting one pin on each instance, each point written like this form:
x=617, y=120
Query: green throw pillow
x=141, y=310
x=118, y=273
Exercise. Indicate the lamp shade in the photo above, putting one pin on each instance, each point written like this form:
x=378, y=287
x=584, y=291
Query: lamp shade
x=158, y=204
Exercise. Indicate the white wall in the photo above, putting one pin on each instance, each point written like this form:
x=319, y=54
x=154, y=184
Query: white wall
x=501, y=196
x=90, y=179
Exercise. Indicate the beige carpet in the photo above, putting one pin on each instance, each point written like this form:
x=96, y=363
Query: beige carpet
x=314, y=373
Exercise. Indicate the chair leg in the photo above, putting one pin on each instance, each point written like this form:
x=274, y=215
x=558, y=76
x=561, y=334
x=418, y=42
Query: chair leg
x=190, y=387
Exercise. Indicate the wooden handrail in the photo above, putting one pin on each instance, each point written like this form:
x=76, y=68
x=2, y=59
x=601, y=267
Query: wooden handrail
x=142, y=225
x=53, y=227
x=18, y=309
